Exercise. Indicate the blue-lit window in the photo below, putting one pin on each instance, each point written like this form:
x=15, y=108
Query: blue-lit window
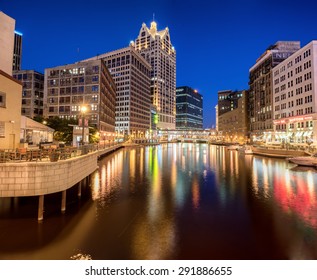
x=95, y=88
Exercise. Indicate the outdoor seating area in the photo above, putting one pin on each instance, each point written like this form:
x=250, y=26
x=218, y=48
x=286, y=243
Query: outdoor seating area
x=47, y=153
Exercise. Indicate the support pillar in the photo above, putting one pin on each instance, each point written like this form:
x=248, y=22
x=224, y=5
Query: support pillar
x=79, y=189
x=40, y=208
x=63, y=208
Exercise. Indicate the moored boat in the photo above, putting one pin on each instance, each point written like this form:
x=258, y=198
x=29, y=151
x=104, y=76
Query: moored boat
x=246, y=149
x=310, y=161
x=233, y=147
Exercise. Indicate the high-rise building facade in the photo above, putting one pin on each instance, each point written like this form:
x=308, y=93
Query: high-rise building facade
x=70, y=87
x=228, y=100
x=233, y=121
x=131, y=74
x=33, y=92
x=295, y=98
x=17, y=51
x=260, y=92
x=189, y=108
x=7, y=26
x=156, y=47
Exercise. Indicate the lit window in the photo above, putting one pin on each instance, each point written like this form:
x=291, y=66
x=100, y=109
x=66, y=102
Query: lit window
x=2, y=99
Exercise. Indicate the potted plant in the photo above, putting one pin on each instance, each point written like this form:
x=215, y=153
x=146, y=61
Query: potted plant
x=54, y=155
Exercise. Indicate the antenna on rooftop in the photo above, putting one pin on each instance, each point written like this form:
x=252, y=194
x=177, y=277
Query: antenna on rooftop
x=153, y=16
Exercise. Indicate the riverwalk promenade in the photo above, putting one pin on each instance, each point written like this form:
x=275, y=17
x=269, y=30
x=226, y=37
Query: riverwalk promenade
x=42, y=177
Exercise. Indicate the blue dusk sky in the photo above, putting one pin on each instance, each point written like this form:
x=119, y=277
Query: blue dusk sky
x=216, y=41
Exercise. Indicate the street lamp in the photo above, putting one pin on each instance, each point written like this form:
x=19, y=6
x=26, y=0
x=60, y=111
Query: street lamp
x=83, y=110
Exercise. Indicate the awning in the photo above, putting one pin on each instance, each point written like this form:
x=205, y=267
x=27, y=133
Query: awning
x=309, y=133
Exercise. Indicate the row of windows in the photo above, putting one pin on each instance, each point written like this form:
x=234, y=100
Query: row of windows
x=290, y=64
x=292, y=125
x=307, y=76
x=298, y=59
x=307, y=64
x=307, y=53
x=298, y=69
x=299, y=101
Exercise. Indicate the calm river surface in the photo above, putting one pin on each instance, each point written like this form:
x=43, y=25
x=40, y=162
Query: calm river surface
x=173, y=201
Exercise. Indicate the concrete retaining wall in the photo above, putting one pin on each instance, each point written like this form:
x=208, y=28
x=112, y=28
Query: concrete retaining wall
x=40, y=178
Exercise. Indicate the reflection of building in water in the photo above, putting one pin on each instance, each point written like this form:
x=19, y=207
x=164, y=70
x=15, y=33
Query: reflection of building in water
x=294, y=191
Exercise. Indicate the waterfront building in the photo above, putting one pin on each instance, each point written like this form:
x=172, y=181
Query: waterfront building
x=189, y=108
x=17, y=51
x=228, y=100
x=216, y=110
x=34, y=133
x=7, y=26
x=10, y=111
x=70, y=88
x=260, y=94
x=233, y=121
x=131, y=74
x=156, y=47
x=33, y=92
x=295, y=97
x=154, y=121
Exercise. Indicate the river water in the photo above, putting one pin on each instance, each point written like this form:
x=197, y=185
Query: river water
x=173, y=201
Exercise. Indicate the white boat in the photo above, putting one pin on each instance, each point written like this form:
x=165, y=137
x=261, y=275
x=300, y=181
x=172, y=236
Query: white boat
x=233, y=147
x=305, y=161
x=246, y=149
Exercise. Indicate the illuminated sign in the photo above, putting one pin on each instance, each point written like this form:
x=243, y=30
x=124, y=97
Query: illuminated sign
x=295, y=119
x=155, y=119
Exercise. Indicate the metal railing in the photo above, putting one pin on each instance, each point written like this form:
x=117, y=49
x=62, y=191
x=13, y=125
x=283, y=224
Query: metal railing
x=47, y=153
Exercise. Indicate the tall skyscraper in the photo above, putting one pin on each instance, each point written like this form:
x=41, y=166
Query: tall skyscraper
x=33, y=92
x=131, y=74
x=189, y=108
x=17, y=51
x=156, y=47
x=260, y=82
x=7, y=26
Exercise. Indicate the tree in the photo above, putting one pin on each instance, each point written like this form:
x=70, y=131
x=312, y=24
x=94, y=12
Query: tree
x=63, y=128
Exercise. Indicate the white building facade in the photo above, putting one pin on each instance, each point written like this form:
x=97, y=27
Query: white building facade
x=7, y=25
x=156, y=47
x=295, y=98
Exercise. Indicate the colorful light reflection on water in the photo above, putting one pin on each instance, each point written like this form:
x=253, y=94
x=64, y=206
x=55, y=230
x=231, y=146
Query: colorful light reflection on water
x=179, y=201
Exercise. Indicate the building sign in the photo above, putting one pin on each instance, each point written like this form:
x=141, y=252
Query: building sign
x=295, y=119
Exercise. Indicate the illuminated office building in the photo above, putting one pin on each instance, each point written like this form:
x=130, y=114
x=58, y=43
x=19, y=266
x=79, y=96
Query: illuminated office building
x=156, y=47
x=189, y=108
x=33, y=92
x=131, y=74
x=69, y=87
x=260, y=92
